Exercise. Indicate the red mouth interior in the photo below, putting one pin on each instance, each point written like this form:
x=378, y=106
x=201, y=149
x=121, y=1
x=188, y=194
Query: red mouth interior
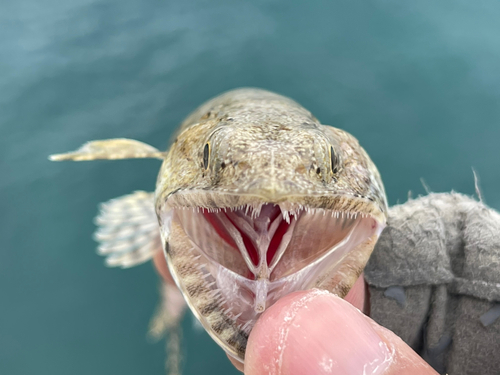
x=268, y=213
x=268, y=242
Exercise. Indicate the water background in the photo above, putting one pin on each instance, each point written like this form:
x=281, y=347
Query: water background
x=417, y=82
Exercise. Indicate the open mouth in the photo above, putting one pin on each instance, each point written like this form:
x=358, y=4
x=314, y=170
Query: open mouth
x=233, y=263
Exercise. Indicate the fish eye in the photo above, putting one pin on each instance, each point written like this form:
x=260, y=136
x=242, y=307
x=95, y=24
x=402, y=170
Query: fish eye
x=333, y=160
x=206, y=155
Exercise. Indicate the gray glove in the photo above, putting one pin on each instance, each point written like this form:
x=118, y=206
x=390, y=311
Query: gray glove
x=434, y=280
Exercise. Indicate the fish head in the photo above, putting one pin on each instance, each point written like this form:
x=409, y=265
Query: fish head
x=252, y=211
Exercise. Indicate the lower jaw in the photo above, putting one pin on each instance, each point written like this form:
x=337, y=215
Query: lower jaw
x=228, y=304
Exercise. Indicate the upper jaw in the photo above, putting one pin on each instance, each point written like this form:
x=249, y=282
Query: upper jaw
x=341, y=202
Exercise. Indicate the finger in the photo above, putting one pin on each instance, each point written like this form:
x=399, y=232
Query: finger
x=162, y=268
x=406, y=361
x=236, y=363
x=357, y=294
x=315, y=332
x=355, y=297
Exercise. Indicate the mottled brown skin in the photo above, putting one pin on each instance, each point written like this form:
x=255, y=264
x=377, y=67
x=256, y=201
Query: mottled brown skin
x=267, y=148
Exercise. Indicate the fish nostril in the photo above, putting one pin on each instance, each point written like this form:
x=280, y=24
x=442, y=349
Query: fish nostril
x=301, y=169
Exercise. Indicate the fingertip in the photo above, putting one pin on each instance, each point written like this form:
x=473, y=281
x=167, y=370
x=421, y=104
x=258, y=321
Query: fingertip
x=264, y=345
x=404, y=357
x=239, y=366
x=314, y=332
x=357, y=296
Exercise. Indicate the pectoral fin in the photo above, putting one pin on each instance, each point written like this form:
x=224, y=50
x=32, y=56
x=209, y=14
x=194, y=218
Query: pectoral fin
x=112, y=149
x=128, y=230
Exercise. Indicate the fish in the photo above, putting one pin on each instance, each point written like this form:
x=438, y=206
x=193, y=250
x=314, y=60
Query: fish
x=255, y=199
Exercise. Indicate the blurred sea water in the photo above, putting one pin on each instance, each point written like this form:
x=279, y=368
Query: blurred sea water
x=417, y=82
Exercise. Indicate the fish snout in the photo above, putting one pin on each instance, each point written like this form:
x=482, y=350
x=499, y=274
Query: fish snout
x=273, y=190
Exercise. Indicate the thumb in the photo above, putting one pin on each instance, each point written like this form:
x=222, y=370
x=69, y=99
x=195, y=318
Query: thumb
x=315, y=332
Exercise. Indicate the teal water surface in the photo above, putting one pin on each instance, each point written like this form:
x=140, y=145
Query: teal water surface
x=417, y=82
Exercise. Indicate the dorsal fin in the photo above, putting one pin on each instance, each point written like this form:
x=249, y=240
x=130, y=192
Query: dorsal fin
x=111, y=149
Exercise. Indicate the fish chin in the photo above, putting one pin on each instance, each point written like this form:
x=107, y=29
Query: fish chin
x=234, y=263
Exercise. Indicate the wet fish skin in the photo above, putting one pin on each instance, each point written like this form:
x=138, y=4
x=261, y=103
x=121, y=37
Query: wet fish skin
x=255, y=135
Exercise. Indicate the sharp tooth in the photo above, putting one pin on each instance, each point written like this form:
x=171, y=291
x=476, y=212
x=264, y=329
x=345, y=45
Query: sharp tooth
x=213, y=293
x=260, y=208
x=286, y=216
x=237, y=316
x=245, y=326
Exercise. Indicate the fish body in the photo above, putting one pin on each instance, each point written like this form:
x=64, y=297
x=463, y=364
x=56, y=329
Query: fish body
x=255, y=199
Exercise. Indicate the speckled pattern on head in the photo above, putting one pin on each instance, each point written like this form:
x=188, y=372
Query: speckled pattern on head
x=268, y=147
